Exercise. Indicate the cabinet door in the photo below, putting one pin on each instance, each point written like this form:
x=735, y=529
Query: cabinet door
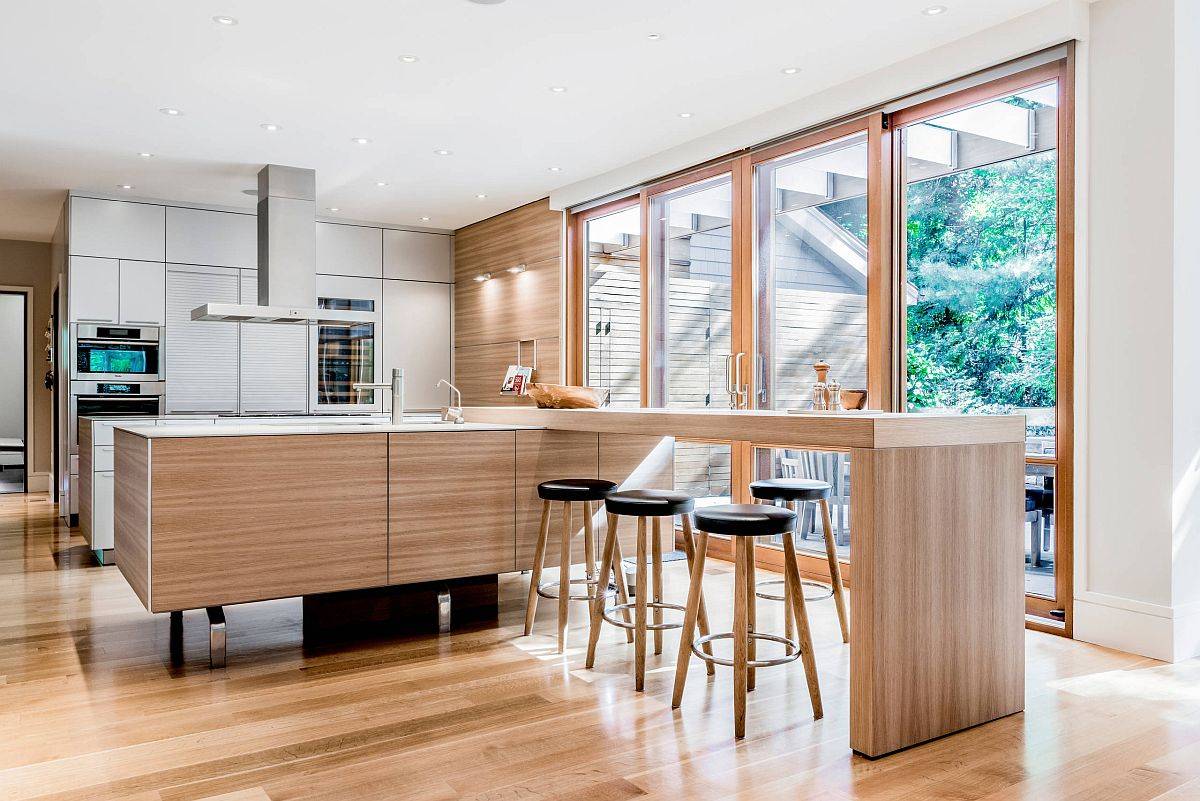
x=415, y=256
x=143, y=293
x=94, y=290
x=116, y=229
x=201, y=358
x=217, y=238
x=416, y=338
x=349, y=250
x=273, y=361
x=451, y=505
x=102, y=511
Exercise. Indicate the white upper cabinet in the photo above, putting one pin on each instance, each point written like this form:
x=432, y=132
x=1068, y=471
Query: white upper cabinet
x=414, y=256
x=143, y=292
x=349, y=250
x=92, y=290
x=416, y=325
x=216, y=238
x=116, y=229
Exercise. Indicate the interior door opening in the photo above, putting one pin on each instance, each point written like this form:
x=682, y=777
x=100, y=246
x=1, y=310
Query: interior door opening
x=14, y=367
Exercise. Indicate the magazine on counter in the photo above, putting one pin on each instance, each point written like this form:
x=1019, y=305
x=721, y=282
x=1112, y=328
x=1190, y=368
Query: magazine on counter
x=516, y=380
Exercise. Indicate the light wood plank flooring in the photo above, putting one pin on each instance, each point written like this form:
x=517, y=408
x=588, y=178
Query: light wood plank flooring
x=90, y=707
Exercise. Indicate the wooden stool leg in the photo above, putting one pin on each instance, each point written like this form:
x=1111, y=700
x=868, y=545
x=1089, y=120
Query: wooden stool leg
x=741, y=627
x=656, y=548
x=805, y=636
x=619, y=572
x=564, y=578
x=539, y=556
x=589, y=543
x=597, y=606
x=692, y=611
x=789, y=616
x=751, y=608
x=690, y=548
x=835, y=571
x=643, y=589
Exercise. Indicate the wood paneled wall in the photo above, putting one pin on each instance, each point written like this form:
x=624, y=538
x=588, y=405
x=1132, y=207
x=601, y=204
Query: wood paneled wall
x=513, y=316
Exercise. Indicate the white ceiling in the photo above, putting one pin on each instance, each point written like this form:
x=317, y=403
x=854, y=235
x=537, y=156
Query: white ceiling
x=83, y=82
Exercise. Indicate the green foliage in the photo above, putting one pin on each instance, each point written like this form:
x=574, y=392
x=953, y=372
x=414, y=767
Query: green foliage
x=981, y=255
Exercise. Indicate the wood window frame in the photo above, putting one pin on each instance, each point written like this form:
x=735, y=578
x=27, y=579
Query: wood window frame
x=885, y=312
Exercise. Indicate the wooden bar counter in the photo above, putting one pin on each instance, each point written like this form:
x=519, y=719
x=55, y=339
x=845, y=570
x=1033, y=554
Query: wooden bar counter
x=212, y=515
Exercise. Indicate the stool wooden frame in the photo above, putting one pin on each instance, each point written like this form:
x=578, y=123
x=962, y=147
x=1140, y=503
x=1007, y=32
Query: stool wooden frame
x=744, y=637
x=836, y=587
x=594, y=589
x=644, y=605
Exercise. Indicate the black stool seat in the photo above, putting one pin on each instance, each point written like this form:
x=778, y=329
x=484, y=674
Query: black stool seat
x=745, y=520
x=791, y=489
x=648, y=503
x=575, y=489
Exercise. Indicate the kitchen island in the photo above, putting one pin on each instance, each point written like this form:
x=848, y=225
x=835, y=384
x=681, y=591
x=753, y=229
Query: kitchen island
x=213, y=516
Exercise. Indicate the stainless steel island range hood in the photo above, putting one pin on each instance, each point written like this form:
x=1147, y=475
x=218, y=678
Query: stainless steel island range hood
x=287, y=257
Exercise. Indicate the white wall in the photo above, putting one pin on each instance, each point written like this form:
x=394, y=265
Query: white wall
x=12, y=365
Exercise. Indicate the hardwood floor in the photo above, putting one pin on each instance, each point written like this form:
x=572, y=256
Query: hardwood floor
x=91, y=707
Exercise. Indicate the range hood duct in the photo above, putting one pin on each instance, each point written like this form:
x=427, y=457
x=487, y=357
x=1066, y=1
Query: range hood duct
x=287, y=257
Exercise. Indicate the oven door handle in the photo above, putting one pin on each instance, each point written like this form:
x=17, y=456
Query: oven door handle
x=99, y=341
x=115, y=398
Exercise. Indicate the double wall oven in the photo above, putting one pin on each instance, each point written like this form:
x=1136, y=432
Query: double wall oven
x=116, y=371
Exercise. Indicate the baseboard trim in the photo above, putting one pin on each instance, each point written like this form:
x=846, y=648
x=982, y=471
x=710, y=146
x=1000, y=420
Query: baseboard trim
x=1171, y=634
x=39, y=482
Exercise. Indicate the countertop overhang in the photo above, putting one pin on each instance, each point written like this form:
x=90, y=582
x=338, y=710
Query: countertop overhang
x=279, y=430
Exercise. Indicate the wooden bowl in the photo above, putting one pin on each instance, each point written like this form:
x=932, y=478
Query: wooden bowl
x=560, y=396
x=854, y=398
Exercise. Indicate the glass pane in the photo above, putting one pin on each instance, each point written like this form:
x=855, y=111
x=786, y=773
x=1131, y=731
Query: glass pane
x=980, y=233
x=832, y=467
x=1039, y=530
x=613, y=246
x=811, y=249
x=703, y=471
x=692, y=270
x=345, y=355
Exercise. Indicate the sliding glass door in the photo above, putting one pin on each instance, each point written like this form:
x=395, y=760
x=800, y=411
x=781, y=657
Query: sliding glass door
x=612, y=247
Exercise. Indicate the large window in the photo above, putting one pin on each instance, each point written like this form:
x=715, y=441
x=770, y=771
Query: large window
x=612, y=322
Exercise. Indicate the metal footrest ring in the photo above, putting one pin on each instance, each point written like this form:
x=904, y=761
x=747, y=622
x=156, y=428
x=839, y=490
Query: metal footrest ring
x=610, y=615
x=549, y=589
x=700, y=642
x=824, y=590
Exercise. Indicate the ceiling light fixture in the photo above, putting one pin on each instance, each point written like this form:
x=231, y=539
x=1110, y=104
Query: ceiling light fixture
x=790, y=70
x=558, y=90
x=934, y=11
x=481, y=196
x=381, y=183
x=361, y=140
x=334, y=208
x=424, y=219
x=223, y=20
x=517, y=269
x=171, y=112
x=654, y=37
x=146, y=155
x=487, y=2
x=124, y=186
x=683, y=115
x=441, y=151
x=555, y=169
x=270, y=126
x=483, y=277
x=409, y=59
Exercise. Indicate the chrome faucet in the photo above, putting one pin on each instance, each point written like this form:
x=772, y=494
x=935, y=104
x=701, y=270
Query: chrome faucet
x=397, y=387
x=452, y=414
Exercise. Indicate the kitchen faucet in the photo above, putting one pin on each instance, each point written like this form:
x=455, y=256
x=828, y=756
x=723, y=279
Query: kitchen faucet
x=452, y=414
x=397, y=386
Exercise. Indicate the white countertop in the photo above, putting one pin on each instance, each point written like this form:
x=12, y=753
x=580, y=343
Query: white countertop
x=279, y=430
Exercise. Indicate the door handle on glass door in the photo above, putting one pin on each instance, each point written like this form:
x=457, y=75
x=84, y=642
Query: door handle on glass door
x=730, y=387
x=741, y=390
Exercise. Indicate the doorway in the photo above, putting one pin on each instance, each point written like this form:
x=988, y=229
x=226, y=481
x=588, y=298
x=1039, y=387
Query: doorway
x=14, y=383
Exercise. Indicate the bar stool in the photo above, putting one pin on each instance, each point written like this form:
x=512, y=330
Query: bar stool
x=568, y=490
x=641, y=504
x=793, y=492
x=743, y=523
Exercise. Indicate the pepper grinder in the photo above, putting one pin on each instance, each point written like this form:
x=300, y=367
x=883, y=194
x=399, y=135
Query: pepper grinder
x=818, y=397
x=835, y=395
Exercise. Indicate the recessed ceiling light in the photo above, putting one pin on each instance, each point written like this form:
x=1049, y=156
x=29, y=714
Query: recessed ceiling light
x=124, y=186
x=409, y=59
x=223, y=20
x=171, y=112
x=487, y=2
x=934, y=11
x=361, y=140
x=683, y=115
x=481, y=196
x=146, y=155
x=555, y=169
x=424, y=219
x=790, y=70
x=381, y=183
x=441, y=151
x=654, y=37
x=558, y=90
x=270, y=126
x=334, y=208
